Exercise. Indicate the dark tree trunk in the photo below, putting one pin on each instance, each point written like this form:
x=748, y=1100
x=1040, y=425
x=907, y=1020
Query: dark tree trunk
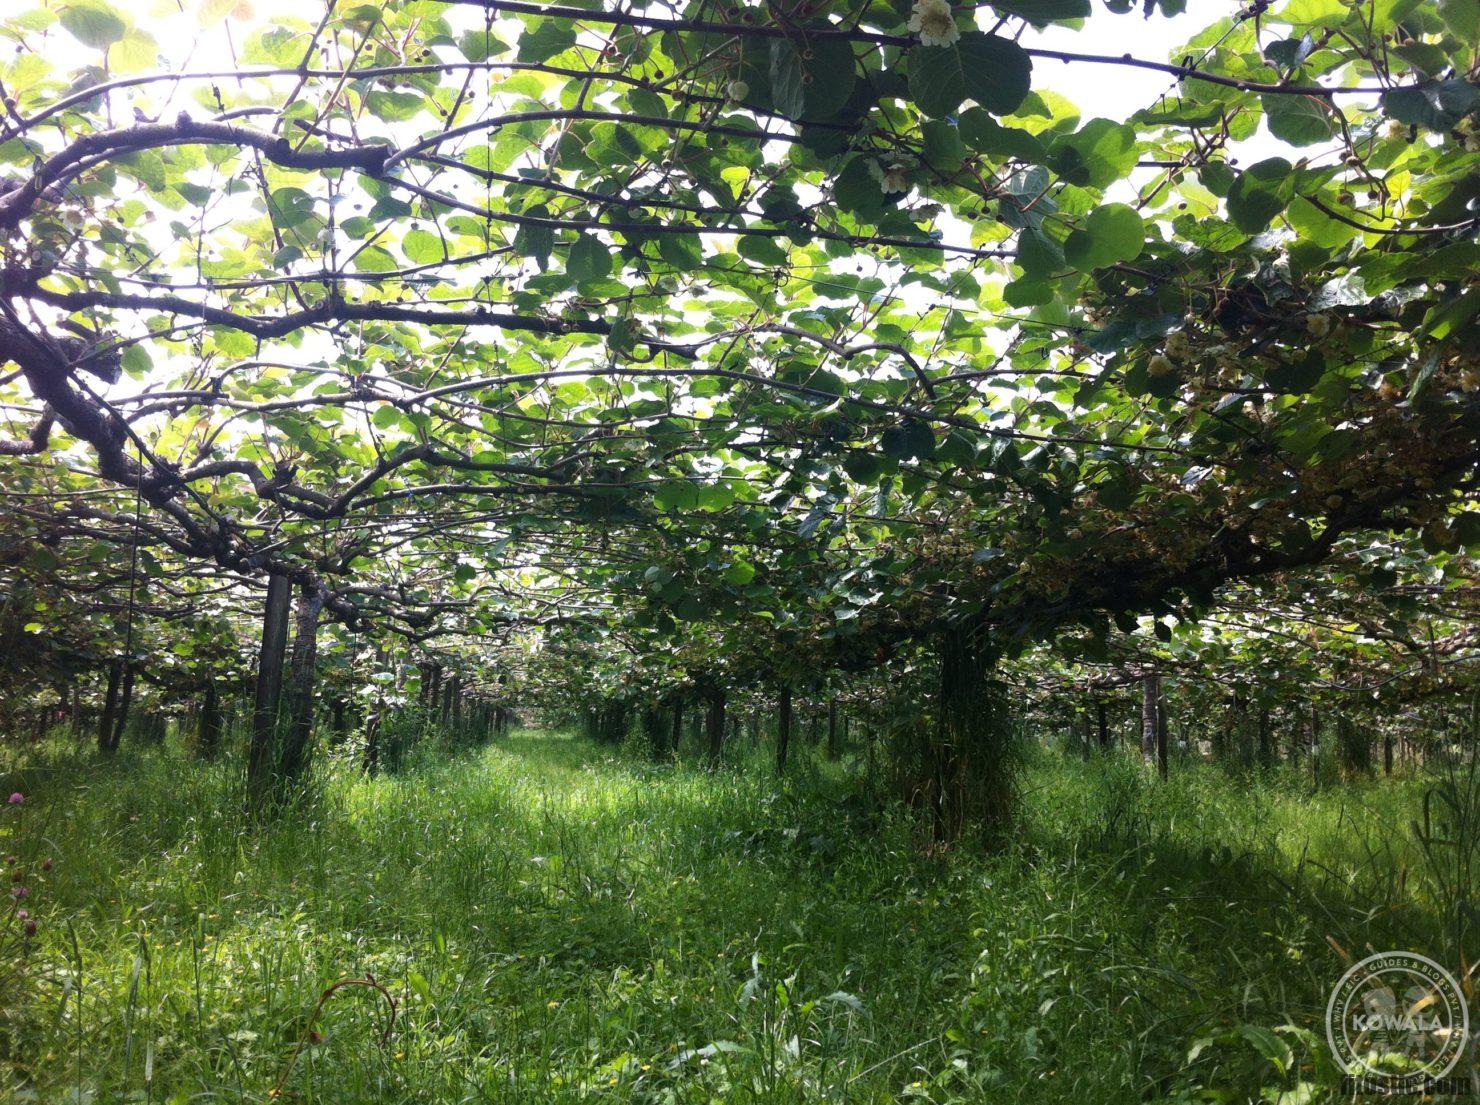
x=125, y=699
x=1161, y=730
x=676, y=731
x=208, y=732
x=783, y=728
x=449, y=699
x=714, y=726
x=655, y=721
x=1266, y=737
x=151, y=727
x=262, y=757
x=966, y=767
x=298, y=731
x=372, y=741
x=609, y=722
x=110, y=707
x=1150, y=695
x=1102, y=724
x=832, y=728
x=1387, y=752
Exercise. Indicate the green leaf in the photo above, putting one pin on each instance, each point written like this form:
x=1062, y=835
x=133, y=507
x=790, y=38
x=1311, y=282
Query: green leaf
x=911, y=439
x=857, y=192
x=763, y=251
x=537, y=242
x=1260, y=193
x=1112, y=233
x=1437, y=105
x=137, y=361
x=861, y=466
x=682, y=251
x=93, y=23
x=1095, y=156
x=1463, y=18
x=623, y=336
x=375, y=259
x=1038, y=254
x=715, y=496
x=801, y=76
x=422, y=247
x=1299, y=120
x=985, y=135
x=831, y=72
x=944, y=149
x=1297, y=377
x=1267, y=1044
x=588, y=259
x=1449, y=317
x=787, y=91
x=1287, y=53
x=740, y=573
x=993, y=71
x=546, y=38
x=480, y=45
x=679, y=495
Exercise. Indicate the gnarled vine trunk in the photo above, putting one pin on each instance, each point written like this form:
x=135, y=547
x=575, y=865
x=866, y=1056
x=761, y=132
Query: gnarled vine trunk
x=960, y=770
x=1153, y=722
x=110, y=708
x=299, y=697
x=208, y=731
x=714, y=728
x=261, y=757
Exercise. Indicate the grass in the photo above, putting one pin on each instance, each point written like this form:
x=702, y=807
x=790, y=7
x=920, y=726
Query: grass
x=559, y=923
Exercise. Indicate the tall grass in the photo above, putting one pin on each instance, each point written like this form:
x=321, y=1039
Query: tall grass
x=558, y=922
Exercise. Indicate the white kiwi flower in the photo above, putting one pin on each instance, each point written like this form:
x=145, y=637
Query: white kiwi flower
x=933, y=21
x=891, y=177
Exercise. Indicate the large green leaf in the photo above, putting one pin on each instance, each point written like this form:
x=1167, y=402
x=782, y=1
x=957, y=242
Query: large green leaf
x=1260, y=193
x=1436, y=105
x=993, y=71
x=588, y=259
x=1112, y=233
x=1300, y=120
x=856, y=191
x=787, y=76
x=93, y=23
x=422, y=247
x=813, y=81
x=546, y=38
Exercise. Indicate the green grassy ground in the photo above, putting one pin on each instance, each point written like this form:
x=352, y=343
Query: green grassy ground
x=560, y=924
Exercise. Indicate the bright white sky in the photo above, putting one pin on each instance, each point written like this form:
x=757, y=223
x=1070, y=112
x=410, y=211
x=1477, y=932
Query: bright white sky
x=1114, y=92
